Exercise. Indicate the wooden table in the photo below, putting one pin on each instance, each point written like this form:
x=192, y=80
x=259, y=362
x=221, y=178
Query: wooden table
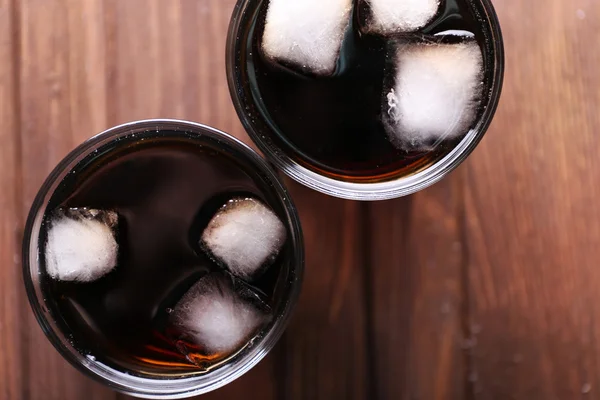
x=485, y=286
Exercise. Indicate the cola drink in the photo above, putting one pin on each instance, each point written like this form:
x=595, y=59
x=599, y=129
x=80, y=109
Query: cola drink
x=164, y=250
x=318, y=120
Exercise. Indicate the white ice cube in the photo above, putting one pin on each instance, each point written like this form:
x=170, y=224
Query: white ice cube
x=214, y=316
x=306, y=33
x=397, y=16
x=81, y=249
x=244, y=235
x=435, y=93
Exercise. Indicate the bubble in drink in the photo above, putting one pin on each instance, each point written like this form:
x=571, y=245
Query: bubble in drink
x=81, y=244
x=244, y=235
x=307, y=34
x=213, y=316
x=435, y=93
x=387, y=17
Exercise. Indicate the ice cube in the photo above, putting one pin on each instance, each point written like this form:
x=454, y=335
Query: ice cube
x=216, y=317
x=81, y=245
x=397, y=16
x=435, y=92
x=306, y=33
x=244, y=235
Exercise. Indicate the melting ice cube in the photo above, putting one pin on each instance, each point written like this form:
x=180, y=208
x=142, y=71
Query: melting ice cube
x=397, y=16
x=81, y=245
x=435, y=93
x=244, y=235
x=306, y=33
x=213, y=315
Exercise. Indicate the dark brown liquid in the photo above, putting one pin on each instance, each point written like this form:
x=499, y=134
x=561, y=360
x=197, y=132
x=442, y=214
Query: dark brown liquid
x=164, y=189
x=333, y=124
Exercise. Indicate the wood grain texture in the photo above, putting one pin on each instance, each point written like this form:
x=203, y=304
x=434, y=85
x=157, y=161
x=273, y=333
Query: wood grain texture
x=482, y=287
x=325, y=352
x=533, y=218
x=11, y=292
x=166, y=59
x=60, y=106
x=416, y=296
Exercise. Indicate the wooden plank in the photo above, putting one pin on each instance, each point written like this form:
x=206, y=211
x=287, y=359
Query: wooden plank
x=12, y=302
x=324, y=352
x=60, y=106
x=416, y=294
x=88, y=95
x=166, y=59
x=532, y=211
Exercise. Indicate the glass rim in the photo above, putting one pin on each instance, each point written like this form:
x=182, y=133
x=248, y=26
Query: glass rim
x=368, y=191
x=146, y=387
